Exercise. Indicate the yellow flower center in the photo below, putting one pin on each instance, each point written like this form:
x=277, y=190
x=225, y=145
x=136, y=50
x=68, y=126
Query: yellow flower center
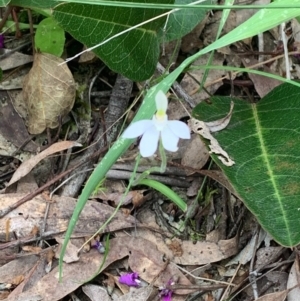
x=160, y=115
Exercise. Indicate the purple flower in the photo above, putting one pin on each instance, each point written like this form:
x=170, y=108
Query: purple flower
x=130, y=279
x=99, y=246
x=166, y=292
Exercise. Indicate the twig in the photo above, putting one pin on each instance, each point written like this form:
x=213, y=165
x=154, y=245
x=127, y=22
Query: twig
x=42, y=188
x=177, y=87
x=202, y=278
x=125, y=175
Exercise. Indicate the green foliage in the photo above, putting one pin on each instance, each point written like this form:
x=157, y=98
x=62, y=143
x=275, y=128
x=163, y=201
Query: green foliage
x=133, y=54
x=42, y=4
x=4, y=3
x=50, y=37
x=166, y=191
x=264, y=141
x=181, y=22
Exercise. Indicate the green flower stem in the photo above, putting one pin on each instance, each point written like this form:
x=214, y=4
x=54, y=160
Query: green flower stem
x=166, y=191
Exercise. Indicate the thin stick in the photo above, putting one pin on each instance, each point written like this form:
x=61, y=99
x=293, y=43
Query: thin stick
x=286, y=51
x=202, y=278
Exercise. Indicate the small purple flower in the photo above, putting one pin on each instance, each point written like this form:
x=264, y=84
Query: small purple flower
x=130, y=279
x=98, y=246
x=166, y=292
x=1, y=41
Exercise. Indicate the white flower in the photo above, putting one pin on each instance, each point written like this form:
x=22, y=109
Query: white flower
x=159, y=127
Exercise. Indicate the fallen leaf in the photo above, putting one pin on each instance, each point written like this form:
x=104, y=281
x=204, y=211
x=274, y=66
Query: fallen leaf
x=31, y=249
x=220, y=124
x=28, y=165
x=202, y=129
x=294, y=279
x=143, y=256
x=17, y=280
x=12, y=127
x=71, y=254
x=95, y=292
x=248, y=252
x=278, y=296
x=49, y=92
x=190, y=82
x=136, y=294
x=204, y=252
x=14, y=60
x=31, y=213
x=263, y=84
x=196, y=155
x=19, y=266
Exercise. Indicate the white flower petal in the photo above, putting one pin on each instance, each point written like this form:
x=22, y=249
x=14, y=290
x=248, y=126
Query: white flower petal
x=137, y=129
x=180, y=129
x=161, y=101
x=149, y=142
x=169, y=140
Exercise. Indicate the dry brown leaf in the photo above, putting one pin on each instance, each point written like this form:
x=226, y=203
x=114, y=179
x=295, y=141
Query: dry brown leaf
x=196, y=155
x=263, y=84
x=191, y=84
x=12, y=127
x=143, y=258
x=294, y=279
x=220, y=124
x=19, y=266
x=95, y=292
x=31, y=249
x=49, y=92
x=31, y=213
x=71, y=254
x=28, y=165
x=278, y=296
x=249, y=250
x=15, y=60
x=140, y=294
x=205, y=128
x=4, y=295
x=202, y=129
x=204, y=252
x=17, y=280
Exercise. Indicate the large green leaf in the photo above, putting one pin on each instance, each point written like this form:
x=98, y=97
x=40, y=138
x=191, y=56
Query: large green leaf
x=133, y=54
x=4, y=3
x=264, y=141
x=34, y=3
x=182, y=21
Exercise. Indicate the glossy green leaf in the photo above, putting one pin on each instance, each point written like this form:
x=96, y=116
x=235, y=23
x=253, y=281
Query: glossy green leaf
x=4, y=3
x=264, y=141
x=183, y=21
x=133, y=54
x=35, y=3
x=50, y=37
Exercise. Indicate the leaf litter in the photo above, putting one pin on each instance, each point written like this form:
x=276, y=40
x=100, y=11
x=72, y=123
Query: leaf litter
x=143, y=244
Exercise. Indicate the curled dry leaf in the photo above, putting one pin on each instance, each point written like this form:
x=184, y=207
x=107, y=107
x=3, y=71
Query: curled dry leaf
x=49, y=92
x=28, y=165
x=205, y=128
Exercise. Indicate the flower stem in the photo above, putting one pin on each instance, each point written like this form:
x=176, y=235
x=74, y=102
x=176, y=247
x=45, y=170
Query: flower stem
x=163, y=157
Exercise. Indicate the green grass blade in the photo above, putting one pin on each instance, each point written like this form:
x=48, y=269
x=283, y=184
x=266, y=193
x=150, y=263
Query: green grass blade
x=166, y=191
x=282, y=5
